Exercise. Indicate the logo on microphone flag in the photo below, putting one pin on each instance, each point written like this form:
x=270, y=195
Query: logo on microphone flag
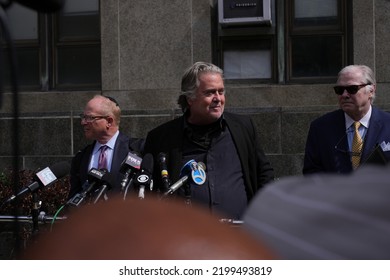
x=143, y=178
x=198, y=175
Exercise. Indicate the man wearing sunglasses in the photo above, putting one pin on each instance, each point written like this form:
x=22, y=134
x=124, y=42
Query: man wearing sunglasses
x=100, y=121
x=333, y=143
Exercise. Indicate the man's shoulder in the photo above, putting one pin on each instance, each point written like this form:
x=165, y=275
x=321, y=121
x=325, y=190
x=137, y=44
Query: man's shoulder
x=85, y=149
x=229, y=116
x=332, y=116
x=131, y=143
x=82, y=153
x=122, y=137
x=175, y=123
x=381, y=113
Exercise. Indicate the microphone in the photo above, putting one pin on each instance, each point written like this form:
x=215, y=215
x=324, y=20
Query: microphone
x=42, y=6
x=79, y=197
x=94, y=177
x=44, y=178
x=129, y=167
x=145, y=176
x=162, y=160
x=107, y=180
x=198, y=175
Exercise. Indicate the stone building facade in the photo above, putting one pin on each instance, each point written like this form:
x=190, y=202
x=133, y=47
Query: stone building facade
x=145, y=47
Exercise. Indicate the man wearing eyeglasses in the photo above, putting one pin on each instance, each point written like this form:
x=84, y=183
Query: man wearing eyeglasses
x=100, y=121
x=355, y=134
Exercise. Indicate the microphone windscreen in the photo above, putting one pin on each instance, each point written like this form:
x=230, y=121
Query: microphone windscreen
x=60, y=169
x=108, y=179
x=133, y=161
x=188, y=167
x=96, y=174
x=162, y=157
x=202, y=165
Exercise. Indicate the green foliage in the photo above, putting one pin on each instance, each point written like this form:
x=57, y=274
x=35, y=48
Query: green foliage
x=4, y=179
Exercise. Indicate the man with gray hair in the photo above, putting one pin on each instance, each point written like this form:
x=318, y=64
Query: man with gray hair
x=227, y=143
x=357, y=133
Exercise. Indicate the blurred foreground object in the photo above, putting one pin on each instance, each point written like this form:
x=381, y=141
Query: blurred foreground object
x=325, y=216
x=147, y=229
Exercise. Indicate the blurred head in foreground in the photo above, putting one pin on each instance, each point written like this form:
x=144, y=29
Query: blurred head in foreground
x=325, y=216
x=147, y=229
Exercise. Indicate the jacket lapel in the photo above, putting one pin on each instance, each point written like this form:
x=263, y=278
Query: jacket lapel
x=372, y=133
x=120, y=152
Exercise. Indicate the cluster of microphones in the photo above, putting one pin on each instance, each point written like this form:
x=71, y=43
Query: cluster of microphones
x=137, y=178
x=137, y=174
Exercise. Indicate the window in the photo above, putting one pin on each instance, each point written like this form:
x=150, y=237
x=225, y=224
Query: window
x=307, y=41
x=248, y=58
x=316, y=39
x=56, y=51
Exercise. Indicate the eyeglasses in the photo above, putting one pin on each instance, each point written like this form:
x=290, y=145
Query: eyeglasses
x=339, y=90
x=89, y=118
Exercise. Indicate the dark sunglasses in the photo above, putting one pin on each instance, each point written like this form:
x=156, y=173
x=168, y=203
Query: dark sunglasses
x=339, y=90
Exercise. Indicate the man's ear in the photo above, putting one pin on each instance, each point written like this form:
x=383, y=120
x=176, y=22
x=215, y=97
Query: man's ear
x=371, y=90
x=110, y=121
x=189, y=100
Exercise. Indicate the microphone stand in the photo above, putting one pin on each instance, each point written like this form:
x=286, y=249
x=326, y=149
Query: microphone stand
x=126, y=187
x=35, y=212
x=41, y=219
x=102, y=191
x=187, y=194
x=175, y=186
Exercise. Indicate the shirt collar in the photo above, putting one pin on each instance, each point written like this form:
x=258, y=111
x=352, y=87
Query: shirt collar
x=364, y=121
x=110, y=143
x=221, y=121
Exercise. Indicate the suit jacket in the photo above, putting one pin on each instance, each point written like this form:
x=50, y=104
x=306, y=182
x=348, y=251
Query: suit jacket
x=327, y=144
x=168, y=138
x=80, y=162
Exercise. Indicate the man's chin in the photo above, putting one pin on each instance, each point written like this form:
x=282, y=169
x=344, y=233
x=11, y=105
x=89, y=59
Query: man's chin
x=348, y=108
x=216, y=113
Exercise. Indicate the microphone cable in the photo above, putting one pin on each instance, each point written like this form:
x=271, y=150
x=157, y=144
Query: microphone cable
x=55, y=216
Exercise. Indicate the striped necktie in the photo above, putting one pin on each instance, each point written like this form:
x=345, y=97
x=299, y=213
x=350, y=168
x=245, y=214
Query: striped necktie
x=357, y=144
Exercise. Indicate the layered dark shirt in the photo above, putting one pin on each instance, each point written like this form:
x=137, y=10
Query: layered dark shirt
x=224, y=190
